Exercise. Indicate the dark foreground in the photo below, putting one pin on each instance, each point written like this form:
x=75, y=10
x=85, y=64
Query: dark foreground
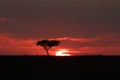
x=78, y=66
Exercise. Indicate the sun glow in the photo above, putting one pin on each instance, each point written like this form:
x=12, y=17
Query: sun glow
x=62, y=52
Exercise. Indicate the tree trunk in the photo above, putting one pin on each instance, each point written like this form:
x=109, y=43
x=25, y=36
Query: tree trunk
x=47, y=52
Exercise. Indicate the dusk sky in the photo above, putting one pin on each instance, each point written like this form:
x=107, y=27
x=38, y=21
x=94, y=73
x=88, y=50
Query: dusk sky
x=82, y=26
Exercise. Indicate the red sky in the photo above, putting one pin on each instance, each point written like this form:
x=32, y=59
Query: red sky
x=108, y=44
x=82, y=26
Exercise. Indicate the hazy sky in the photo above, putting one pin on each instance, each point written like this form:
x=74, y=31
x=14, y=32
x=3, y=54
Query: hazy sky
x=83, y=26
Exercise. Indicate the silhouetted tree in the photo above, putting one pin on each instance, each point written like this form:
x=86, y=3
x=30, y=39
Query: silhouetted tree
x=47, y=44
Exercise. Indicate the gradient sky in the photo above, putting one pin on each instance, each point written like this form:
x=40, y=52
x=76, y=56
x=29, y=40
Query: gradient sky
x=82, y=26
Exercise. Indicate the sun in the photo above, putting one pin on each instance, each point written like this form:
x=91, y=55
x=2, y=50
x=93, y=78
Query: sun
x=62, y=52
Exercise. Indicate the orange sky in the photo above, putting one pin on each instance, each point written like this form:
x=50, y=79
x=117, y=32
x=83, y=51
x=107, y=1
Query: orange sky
x=106, y=44
x=82, y=26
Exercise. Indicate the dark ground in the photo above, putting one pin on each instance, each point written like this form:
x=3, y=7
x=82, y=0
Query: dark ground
x=92, y=67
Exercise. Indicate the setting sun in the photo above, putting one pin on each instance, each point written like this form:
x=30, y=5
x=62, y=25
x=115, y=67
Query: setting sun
x=62, y=52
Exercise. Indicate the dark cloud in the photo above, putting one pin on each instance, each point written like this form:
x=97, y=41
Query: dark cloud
x=6, y=19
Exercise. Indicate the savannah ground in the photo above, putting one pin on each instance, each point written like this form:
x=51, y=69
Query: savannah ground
x=67, y=66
